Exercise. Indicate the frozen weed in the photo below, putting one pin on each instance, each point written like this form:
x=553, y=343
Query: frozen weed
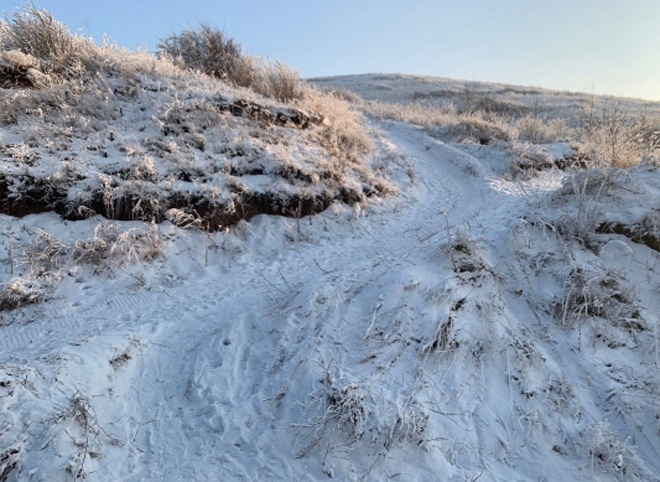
x=347, y=407
x=599, y=294
x=587, y=188
x=87, y=439
x=613, y=455
x=444, y=339
x=342, y=406
x=47, y=255
x=465, y=254
x=19, y=293
x=410, y=427
x=183, y=220
x=112, y=246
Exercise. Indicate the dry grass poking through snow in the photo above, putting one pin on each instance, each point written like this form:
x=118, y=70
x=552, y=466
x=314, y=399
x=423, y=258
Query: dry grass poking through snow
x=92, y=129
x=603, y=132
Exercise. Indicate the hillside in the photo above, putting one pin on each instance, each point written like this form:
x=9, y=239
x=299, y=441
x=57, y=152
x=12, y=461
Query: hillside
x=203, y=282
x=520, y=100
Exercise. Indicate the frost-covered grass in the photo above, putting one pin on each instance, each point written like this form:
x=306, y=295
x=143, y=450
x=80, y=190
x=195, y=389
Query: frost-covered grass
x=89, y=129
x=493, y=318
x=604, y=131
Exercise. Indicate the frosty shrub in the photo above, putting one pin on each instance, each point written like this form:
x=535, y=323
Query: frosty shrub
x=47, y=255
x=17, y=294
x=36, y=33
x=111, y=245
x=613, y=455
x=207, y=50
x=210, y=51
x=611, y=137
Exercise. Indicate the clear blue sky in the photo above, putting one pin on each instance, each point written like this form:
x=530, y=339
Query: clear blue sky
x=602, y=46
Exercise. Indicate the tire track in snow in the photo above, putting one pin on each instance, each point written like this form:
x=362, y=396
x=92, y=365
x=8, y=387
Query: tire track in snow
x=66, y=325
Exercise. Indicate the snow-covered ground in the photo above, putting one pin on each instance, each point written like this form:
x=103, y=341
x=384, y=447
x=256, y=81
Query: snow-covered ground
x=514, y=99
x=475, y=326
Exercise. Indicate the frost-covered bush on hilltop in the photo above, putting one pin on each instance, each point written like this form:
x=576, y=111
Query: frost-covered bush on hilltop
x=210, y=51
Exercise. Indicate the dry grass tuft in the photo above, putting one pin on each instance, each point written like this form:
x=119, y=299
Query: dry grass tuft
x=18, y=294
x=112, y=246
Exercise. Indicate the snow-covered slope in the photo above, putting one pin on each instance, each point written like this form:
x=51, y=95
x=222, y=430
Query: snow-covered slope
x=458, y=331
x=456, y=319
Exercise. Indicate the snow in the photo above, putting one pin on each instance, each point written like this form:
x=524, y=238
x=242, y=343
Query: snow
x=415, y=338
x=406, y=89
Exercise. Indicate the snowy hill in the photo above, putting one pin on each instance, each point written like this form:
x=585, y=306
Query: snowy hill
x=452, y=301
x=406, y=89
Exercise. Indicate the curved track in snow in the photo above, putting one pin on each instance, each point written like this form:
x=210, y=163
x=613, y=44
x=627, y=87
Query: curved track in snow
x=237, y=370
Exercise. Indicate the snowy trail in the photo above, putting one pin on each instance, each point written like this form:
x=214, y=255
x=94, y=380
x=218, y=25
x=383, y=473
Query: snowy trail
x=201, y=359
x=232, y=373
x=201, y=402
x=439, y=187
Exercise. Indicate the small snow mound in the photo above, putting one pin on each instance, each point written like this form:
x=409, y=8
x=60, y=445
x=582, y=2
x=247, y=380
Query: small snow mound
x=617, y=255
